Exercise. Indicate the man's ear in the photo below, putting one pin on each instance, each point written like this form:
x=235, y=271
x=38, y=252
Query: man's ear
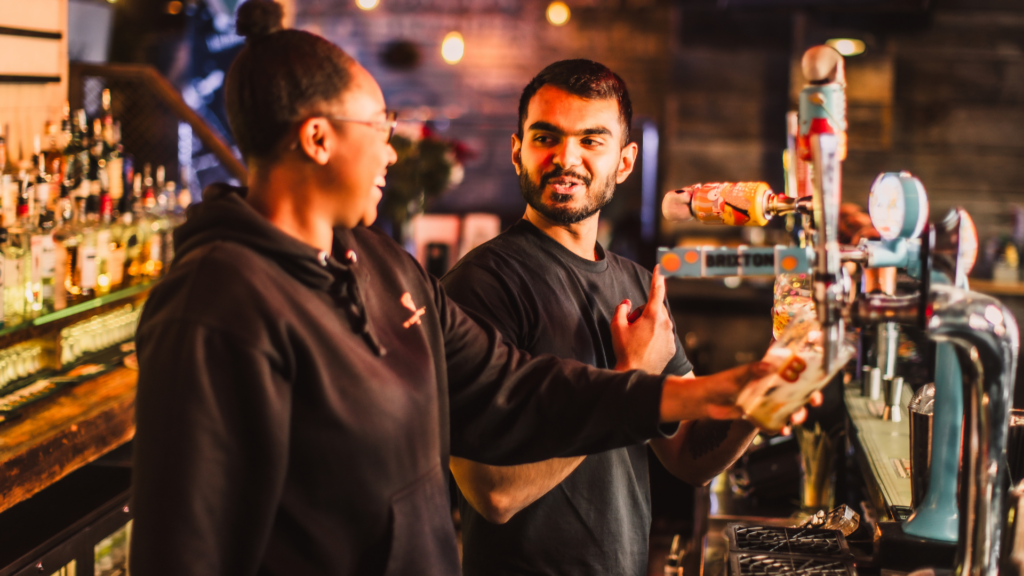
x=627, y=160
x=315, y=140
x=517, y=150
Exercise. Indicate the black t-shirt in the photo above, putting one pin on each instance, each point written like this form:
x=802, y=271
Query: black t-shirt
x=545, y=299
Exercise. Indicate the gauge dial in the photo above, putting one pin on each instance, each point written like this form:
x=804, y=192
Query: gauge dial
x=898, y=205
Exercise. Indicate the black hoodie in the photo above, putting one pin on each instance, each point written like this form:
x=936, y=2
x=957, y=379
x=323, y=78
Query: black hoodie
x=294, y=409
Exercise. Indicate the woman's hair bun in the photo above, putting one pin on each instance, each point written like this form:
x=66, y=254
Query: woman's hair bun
x=258, y=18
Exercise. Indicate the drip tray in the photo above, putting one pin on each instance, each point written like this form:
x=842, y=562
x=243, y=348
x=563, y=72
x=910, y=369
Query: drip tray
x=778, y=551
x=758, y=564
x=777, y=540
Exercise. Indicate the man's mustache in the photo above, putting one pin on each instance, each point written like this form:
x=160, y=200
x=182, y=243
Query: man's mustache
x=559, y=172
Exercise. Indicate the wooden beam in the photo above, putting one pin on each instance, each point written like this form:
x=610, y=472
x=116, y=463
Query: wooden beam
x=170, y=96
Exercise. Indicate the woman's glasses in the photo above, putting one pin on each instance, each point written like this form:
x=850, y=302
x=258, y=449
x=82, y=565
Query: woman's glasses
x=386, y=125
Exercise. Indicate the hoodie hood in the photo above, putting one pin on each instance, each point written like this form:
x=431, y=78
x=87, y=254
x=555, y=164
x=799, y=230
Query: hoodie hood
x=224, y=215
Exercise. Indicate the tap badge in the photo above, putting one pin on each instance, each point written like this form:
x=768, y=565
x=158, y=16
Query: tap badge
x=416, y=314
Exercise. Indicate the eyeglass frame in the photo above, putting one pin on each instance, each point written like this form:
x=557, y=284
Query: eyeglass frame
x=390, y=122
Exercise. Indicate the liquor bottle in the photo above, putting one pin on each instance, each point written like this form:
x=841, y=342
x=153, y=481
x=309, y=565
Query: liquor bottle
x=150, y=231
x=114, y=160
x=82, y=154
x=90, y=250
x=160, y=219
x=53, y=155
x=62, y=219
x=20, y=237
x=184, y=196
x=133, y=235
x=3, y=262
x=117, y=260
x=65, y=127
x=79, y=257
x=105, y=259
x=44, y=261
x=14, y=280
x=174, y=216
x=8, y=186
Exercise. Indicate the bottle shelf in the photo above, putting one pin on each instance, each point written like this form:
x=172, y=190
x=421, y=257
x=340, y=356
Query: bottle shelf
x=92, y=304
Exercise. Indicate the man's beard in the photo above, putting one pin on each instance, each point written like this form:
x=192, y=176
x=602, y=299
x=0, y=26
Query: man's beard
x=596, y=198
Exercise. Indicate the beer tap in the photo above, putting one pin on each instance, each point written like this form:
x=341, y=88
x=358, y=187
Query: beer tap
x=977, y=336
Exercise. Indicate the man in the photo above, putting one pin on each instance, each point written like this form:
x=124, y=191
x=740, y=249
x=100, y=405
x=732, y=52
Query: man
x=302, y=379
x=549, y=287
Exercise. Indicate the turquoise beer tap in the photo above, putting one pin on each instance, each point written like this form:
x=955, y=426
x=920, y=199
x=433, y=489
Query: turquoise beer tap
x=898, y=206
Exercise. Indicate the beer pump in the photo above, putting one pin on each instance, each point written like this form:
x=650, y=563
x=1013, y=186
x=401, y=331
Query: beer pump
x=977, y=336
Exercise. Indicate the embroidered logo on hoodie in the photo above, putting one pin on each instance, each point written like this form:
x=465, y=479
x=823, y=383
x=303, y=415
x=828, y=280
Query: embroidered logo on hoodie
x=416, y=314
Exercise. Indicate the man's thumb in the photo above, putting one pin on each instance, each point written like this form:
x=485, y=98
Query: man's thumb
x=622, y=313
x=759, y=370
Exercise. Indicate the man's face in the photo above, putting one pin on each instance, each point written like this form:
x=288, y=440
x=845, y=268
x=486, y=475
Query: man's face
x=571, y=155
x=361, y=156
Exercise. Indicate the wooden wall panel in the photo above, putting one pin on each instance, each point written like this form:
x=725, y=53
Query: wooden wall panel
x=30, y=56
x=24, y=107
x=33, y=14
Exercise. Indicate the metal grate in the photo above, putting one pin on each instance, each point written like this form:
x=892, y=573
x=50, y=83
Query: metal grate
x=810, y=541
x=751, y=564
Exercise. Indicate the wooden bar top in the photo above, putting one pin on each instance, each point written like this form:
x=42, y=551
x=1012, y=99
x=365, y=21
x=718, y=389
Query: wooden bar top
x=65, y=431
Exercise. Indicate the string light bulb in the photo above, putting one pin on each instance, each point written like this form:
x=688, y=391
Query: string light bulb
x=558, y=13
x=367, y=4
x=453, y=47
x=847, y=46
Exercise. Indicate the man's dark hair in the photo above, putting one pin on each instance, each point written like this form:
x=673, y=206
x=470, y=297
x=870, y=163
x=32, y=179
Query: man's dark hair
x=583, y=78
x=279, y=76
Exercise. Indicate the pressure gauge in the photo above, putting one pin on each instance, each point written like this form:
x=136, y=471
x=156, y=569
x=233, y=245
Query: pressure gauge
x=898, y=205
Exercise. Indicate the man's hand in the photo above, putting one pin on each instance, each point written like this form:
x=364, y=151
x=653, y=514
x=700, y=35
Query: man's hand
x=675, y=205
x=714, y=397
x=648, y=343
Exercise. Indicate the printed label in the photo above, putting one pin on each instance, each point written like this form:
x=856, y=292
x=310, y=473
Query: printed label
x=115, y=266
x=87, y=267
x=60, y=291
x=43, y=257
x=102, y=245
x=155, y=246
x=791, y=371
x=12, y=272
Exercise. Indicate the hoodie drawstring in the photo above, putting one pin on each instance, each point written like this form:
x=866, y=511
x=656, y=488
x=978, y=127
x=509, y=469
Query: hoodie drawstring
x=345, y=291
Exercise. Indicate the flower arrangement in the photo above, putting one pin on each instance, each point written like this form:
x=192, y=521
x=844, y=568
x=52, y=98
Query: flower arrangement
x=427, y=167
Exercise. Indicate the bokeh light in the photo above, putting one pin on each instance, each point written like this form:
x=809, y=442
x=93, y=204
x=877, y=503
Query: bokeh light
x=558, y=13
x=453, y=47
x=847, y=46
